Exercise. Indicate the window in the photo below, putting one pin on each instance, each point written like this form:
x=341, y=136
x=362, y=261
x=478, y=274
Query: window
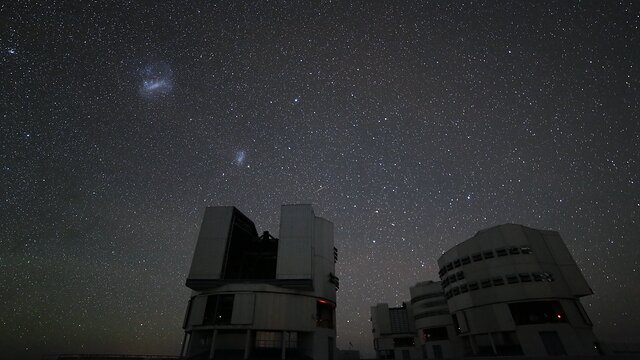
x=525, y=277
x=268, y=339
x=463, y=288
x=218, y=310
x=452, y=279
x=483, y=344
x=431, y=313
x=537, y=312
x=386, y=354
x=403, y=341
x=426, y=296
x=433, y=303
x=398, y=320
x=434, y=334
x=473, y=286
x=507, y=343
x=485, y=284
x=525, y=250
x=537, y=277
x=514, y=251
x=547, y=276
x=465, y=260
x=455, y=291
x=457, y=263
x=552, y=343
x=476, y=257
x=498, y=281
x=501, y=252
x=512, y=279
x=324, y=314
x=449, y=266
x=488, y=254
x=460, y=275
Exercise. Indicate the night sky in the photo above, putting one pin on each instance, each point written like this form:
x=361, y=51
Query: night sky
x=410, y=125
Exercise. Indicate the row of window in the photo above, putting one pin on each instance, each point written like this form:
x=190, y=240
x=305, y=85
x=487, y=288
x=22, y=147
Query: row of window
x=499, y=281
x=431, y=313
x=452, y=278
x=426, y=296
x=431, y=304
x=485, y=255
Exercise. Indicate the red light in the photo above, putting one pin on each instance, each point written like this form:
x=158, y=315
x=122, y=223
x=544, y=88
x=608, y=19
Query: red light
x=323, y=301
x=559, y=316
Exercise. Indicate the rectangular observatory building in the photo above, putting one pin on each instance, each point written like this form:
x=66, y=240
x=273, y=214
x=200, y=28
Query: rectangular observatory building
x=257, y=296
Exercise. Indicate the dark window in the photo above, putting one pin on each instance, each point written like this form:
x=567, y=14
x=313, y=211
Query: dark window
x=445, y=283
x=525, y=277
x=459, y=275
x=488, y=254
x=433, y=303
x=465, y=260
x=269, y=339
x=406, y=355
x=525, y=250
x=514, y=251
x=473, y=286
x=455, y=291
x=512, y=279
x=437, y=351
x=441, y=272
x=449, y=266
x=552, y=343
x=485, y=283
x=452, y=279
x=431, y=313
x=456, y=263
x=386, y=354
x=507, y=343
x=498, y=281
x=537, y=276
x=547, y=276
x=437, y=333
x=218, y=310
x=426, y=296
x=463, y=288
x=537, y=312
x=476, y=257
x=501, y=252
x=483, y=344
x=403, y=341
x=324, y=314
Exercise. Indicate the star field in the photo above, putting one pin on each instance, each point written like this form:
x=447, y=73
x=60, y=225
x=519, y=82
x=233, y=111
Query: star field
x=410, y=125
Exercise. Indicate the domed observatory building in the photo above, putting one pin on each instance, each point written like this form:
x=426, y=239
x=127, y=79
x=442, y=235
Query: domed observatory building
x=514, y=290
x=259, y=296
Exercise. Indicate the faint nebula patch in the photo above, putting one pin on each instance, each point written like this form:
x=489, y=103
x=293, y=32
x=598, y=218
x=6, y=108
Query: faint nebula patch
x=240, y=157
x=156, y=80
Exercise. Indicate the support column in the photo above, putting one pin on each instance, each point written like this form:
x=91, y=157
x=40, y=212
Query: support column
x=284, y=345
x=247, y=345
x=213, y=344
